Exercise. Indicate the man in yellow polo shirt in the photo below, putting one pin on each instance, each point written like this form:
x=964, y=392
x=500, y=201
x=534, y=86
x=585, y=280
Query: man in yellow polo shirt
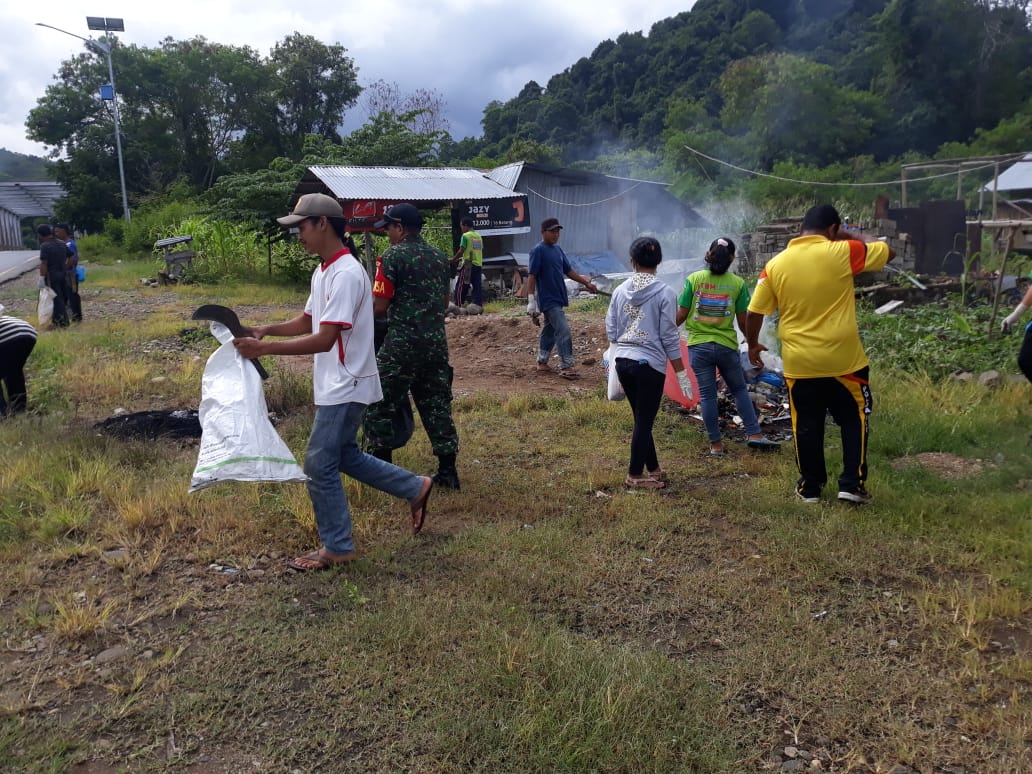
x=810, y=283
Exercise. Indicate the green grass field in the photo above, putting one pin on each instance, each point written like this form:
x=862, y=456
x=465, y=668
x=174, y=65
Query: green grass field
x=548, y=620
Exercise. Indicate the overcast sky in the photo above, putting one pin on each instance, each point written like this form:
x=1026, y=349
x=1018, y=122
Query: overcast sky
x=471, y=51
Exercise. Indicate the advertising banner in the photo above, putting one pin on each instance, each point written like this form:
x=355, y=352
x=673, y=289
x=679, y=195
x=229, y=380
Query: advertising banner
x=498, y=216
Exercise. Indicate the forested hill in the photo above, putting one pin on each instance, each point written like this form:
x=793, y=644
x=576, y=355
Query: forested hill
x=766, y=80
x=19, y=168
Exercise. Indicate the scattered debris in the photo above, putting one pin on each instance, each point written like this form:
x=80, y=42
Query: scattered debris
x=889, y=307
x=151, y=425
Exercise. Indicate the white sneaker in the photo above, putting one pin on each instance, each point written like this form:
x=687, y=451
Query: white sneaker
x=860, y=496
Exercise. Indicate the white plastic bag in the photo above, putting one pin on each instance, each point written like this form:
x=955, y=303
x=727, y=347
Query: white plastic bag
x=45, y=307
x=238, y=442
x=614, y=390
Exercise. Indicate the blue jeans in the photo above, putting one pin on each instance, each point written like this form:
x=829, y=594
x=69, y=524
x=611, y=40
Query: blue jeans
x=556, y=333
x=332, y=450
x=705, y=360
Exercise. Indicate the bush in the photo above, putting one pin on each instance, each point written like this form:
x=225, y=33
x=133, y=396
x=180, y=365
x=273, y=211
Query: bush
x=224, y=250
x=938, y=339
x=149, y=224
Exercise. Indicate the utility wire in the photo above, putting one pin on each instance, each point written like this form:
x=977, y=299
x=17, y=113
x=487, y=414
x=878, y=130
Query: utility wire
x=852, y=185
x=587, y=204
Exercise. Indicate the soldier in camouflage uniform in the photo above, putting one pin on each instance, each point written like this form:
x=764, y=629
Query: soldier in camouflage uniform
x=412, y=282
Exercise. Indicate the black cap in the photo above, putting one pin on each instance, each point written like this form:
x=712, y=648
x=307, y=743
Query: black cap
x=549, y=223
x=406, y=214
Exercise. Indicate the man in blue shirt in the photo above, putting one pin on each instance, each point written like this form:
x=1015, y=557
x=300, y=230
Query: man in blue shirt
x=64, y=234
x=546, y=294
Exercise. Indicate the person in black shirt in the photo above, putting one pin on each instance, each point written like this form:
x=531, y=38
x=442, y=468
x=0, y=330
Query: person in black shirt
x=54, y=258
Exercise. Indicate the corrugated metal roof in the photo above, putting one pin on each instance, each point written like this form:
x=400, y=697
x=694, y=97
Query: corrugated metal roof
x=1018, y=177
x=410, y=183
x=29, y=200
x=507, y=175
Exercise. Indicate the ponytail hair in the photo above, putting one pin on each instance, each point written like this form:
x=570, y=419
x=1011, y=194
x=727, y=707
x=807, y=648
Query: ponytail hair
x=646, y=252
x=720, y=254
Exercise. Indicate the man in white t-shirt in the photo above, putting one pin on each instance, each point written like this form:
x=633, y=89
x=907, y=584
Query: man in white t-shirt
x=337, y=327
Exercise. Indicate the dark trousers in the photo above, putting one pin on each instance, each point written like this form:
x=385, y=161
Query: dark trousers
x=1025, y=355
x=644, y=388
x=461, y=284
x=476, y=278
x=57, y=283
x=469, y=285
x=72, y=296
x=416, y=368
x=848, y=400
x=13, y=354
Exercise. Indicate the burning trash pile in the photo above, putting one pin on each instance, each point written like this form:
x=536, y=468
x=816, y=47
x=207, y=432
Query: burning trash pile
x=769, y=393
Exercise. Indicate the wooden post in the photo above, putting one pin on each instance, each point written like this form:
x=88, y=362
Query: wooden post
x=996, y=185
x=903, y=191
x=370, y=259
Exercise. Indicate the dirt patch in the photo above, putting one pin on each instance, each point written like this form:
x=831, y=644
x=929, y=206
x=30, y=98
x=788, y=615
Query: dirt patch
x=942, y=464
x=496, y=353
x=491, y=353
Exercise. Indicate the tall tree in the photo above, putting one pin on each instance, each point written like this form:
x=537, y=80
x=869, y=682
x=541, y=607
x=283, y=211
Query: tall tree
x=427, y=107
x=191, y=110
x=314, y=84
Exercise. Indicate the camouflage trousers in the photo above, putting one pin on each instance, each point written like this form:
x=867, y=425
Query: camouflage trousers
x=409, y=367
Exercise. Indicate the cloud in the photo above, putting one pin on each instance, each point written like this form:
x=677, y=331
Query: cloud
x=470, y=52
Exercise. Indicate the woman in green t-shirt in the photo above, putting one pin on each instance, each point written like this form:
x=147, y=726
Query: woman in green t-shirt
x=711, y=300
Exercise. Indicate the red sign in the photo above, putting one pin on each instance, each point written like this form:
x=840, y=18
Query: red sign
x=361, y=214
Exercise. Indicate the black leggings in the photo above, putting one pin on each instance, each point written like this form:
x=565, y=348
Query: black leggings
x=1025, y=355
x=13, y=354
x=644, y=387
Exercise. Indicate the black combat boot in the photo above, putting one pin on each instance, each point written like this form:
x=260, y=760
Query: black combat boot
x=446, y=474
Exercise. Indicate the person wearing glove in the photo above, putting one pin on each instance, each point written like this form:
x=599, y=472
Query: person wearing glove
x=1025, y=353
x=641, y=326
x=546, y=295
x=709, y=304
x=535, y=315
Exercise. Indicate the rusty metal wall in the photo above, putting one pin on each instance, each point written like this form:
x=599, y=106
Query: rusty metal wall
x=938, y=230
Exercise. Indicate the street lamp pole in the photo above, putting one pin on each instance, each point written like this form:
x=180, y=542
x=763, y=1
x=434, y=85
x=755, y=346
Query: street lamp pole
x=105, y=49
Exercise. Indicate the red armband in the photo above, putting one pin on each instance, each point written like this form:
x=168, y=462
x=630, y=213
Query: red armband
x=382, y=287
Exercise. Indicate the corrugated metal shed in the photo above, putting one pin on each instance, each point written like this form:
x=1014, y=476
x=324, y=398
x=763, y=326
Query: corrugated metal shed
x=29, y=200
x=24, y=200
x=598, y=211
x=411, y=184
x=601, y=214
x=1018, y=177
x=507, y=175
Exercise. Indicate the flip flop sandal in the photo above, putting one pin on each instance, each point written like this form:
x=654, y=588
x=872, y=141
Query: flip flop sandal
x=419, y=509
x=317, y=560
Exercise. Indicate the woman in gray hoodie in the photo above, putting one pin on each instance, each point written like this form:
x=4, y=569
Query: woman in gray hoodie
x=641, y=323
